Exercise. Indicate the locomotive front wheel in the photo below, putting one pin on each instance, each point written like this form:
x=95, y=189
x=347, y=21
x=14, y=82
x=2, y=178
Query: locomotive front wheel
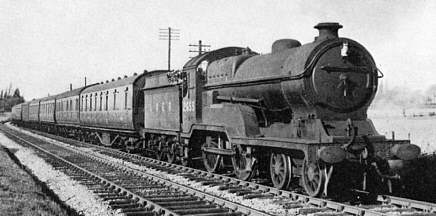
x=212, y=161
x=244, y=164
x=312, y=178
x=280, y=170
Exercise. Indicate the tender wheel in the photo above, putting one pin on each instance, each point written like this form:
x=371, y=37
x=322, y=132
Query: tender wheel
x=160, y=151
x=244, y=164
x=170, y=152
x=312, y=178
x=212, y=161
x=160, y=155
x=165, y=153
x=280, y=170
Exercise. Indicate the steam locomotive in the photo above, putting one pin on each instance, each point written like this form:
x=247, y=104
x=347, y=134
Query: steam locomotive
x=297, y=115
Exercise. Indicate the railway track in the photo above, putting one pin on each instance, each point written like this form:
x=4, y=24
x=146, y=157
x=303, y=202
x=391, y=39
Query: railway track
x=132, y=192
x=387, y=205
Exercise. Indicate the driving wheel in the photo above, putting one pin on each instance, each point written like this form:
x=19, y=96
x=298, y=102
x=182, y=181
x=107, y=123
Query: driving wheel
x=280, y=170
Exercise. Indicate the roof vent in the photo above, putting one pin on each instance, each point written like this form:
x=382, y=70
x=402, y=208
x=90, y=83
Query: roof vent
x=125, y=76
x=327, y=30
x=107, y=81
x=145, y=71
x=134, y=74
x=283, y=44
x=113, y=80
x=119, y=78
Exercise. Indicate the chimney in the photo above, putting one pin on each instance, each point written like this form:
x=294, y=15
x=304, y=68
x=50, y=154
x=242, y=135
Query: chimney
x=327, y=30
x=71, y=87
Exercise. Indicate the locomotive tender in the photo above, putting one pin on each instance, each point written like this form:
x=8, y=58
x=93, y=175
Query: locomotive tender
x=296, y=115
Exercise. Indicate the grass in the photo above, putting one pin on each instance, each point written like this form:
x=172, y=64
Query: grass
x=4, y=116
x=22, y=194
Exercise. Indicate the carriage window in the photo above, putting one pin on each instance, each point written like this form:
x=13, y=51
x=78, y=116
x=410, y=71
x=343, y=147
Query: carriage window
x=81, y=105
x=115, y=99
x=71, y=105
x=107, y=98
x=125, y=97
x=101, y=99
x=86, y=103
x=95, y=102
x=90, y=102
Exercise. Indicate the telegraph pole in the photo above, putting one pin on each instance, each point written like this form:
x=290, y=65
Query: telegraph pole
x=200, y=46
x=169, y=34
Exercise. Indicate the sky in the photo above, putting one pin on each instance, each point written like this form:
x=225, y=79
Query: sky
x=45, y=45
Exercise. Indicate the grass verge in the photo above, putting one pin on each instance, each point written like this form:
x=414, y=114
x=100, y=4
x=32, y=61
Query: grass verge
x=21, y=193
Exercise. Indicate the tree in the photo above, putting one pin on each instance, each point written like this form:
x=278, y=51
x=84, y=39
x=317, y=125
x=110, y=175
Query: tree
x=7, y=100
x=17, y=93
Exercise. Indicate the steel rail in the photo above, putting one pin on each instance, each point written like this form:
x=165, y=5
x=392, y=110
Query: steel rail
x=161, y=210
x=408, y=203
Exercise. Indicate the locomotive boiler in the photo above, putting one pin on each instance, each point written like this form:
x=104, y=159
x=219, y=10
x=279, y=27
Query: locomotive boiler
x=298, y=112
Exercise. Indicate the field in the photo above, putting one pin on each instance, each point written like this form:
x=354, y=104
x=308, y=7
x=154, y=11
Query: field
x=421, y=130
